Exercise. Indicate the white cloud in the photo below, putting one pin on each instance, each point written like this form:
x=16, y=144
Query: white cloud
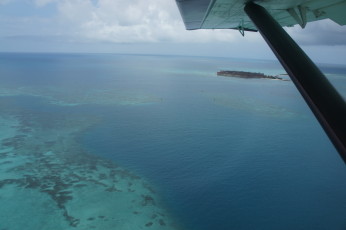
x=113, y=21
x=325, y=32
x=159, y=21
x=131, y=21
x=141, y=26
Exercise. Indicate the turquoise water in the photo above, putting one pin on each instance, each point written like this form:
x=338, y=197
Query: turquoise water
x=221, y=153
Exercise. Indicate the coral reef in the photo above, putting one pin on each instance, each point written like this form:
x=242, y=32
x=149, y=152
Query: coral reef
x=43, y=156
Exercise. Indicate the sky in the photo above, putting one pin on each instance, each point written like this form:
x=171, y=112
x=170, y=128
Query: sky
x=144, y=27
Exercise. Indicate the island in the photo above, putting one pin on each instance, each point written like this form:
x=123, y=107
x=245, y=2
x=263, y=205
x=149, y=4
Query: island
x=244, y=74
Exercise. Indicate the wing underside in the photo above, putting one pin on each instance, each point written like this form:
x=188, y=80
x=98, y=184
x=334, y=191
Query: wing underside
x=229, y=14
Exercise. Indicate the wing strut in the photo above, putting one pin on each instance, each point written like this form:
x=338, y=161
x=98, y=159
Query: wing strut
x=324, y=101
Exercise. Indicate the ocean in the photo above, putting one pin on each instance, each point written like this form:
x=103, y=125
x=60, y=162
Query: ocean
x=115, y=141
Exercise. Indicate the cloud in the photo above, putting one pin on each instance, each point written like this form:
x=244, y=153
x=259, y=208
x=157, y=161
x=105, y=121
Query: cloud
x=160, y=21
x=111, y=21
x=142, y=26
x=132, y=21
x=325, y=32
x=138, y=21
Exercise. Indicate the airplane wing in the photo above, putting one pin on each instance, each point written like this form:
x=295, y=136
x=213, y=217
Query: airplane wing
x=229, y=14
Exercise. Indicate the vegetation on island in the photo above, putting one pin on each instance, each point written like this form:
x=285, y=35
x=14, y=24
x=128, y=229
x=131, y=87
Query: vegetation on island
x=244, y=74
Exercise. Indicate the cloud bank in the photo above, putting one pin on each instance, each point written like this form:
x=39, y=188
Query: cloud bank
x=159, y=21
x=127, y=21
x=325, y=32
x=130, y=22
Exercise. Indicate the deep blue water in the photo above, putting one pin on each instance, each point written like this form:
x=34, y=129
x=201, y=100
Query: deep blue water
x=223, y=153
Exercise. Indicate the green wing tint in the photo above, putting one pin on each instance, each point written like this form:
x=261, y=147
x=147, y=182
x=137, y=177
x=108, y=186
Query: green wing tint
x=229, y=14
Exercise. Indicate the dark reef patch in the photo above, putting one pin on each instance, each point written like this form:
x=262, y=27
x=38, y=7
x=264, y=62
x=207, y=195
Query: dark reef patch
x=149, y=224
x=147, y=200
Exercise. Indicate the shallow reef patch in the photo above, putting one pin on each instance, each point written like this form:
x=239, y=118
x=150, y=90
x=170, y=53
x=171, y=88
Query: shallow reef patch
x=49, y=181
